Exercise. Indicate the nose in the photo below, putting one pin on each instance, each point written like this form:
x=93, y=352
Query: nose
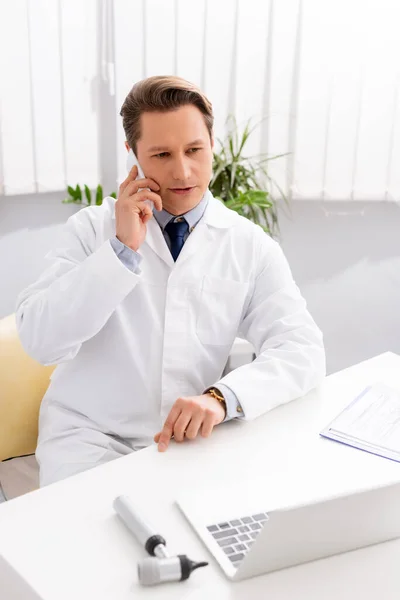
x=181, y=169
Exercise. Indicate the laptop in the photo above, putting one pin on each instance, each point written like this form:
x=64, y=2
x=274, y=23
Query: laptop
x=247, y=539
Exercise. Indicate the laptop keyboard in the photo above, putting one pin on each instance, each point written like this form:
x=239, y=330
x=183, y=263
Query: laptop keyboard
x=237, y=536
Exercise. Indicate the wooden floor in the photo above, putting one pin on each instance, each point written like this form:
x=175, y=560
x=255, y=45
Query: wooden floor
x=18, y=476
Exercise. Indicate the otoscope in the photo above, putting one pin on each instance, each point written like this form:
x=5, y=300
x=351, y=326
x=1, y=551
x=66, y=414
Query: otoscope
x=160, y=566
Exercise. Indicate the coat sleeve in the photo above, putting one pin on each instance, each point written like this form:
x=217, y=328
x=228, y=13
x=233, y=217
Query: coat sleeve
x=77, y=293
x=288, y=344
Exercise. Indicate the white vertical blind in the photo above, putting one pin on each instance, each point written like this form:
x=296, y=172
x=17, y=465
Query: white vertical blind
x=48, y=65
x=17, y=141
x=190, y=31
x=281, y=111
x=130, y=63
x=322, y=77
x=251, y=67
x=47, y=117
x=218, y=49
x=347, y=125
x=78, y=30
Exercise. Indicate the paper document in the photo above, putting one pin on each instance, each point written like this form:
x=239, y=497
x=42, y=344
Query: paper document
x=371, y=422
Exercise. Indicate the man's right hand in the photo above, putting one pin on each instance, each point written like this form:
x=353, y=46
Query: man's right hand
x=131, y=210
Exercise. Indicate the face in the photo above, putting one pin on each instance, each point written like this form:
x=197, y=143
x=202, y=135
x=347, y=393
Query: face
x=176, y=151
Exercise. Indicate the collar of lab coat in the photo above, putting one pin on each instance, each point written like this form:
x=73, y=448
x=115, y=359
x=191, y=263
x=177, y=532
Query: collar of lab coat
x=218, y=215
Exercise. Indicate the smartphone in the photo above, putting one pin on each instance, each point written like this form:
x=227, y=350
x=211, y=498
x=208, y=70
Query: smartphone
x=132, y=160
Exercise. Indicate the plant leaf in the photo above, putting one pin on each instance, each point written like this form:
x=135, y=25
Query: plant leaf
x=99, y=195
x=78, y=193
x=71, y=191
x=88, y=195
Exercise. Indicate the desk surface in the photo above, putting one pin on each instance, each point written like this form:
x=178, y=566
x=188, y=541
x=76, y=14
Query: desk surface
x=65, y=541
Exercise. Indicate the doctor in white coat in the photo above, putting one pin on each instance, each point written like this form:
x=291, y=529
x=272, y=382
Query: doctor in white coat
x=139, y=308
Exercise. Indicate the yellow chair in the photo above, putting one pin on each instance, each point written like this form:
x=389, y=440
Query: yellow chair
x=23, y=383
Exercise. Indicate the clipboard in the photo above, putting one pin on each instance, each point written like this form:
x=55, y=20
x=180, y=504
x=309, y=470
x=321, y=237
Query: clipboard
x=371, y=422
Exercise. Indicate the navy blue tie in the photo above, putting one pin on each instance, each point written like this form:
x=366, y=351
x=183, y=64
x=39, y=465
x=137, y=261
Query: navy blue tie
x=177, y=231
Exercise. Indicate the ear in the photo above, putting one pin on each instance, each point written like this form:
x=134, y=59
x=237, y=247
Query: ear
x=127, y=146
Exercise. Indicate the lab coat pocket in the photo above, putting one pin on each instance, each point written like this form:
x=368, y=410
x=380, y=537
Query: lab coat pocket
x=220, y=310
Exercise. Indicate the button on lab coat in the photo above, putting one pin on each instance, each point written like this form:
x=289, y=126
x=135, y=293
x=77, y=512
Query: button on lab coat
x=127, y=345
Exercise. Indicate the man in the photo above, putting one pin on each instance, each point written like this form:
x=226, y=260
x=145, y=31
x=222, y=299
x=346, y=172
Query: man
x=139, y=309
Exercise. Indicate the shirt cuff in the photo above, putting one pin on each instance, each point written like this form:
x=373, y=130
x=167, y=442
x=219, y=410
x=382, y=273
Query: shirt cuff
x=234, y=409
x=129, y=258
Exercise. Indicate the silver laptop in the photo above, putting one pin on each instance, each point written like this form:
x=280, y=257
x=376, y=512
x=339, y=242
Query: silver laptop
x=255, y=541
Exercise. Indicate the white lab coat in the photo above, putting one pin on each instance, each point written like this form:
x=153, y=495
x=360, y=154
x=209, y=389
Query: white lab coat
x=128, y=345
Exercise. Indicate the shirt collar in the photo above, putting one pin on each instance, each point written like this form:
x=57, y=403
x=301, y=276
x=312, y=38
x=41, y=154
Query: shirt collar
x=192, y=217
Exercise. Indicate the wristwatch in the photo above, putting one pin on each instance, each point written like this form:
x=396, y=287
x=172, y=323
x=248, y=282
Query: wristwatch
x=215, y=393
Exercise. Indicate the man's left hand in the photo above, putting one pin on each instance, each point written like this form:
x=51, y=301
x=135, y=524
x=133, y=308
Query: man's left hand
x=188, y=417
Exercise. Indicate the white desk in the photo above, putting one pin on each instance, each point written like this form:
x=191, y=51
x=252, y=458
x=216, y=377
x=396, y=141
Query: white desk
x=65, y=541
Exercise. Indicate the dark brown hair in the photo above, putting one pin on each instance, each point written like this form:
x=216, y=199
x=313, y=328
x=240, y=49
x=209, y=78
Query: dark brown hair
x=161, y=93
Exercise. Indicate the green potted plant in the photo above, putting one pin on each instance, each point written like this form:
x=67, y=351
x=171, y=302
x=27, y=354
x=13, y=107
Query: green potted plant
x=240, y=182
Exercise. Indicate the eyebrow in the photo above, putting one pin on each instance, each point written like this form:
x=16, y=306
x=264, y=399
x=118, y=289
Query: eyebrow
x=164, y=148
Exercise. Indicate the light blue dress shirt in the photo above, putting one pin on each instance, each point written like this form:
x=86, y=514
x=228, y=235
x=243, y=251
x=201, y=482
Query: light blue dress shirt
x=132, y=259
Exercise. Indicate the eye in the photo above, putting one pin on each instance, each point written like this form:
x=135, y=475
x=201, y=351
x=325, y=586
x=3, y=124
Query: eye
x=161, y=155
x=193, y=150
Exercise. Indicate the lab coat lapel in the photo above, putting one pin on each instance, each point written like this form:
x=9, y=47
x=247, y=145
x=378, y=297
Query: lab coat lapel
x=200, y=236
x=216, y=217
x=156, y=241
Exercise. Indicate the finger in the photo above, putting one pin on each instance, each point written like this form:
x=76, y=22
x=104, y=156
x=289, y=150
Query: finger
x=181, y=424
x=149, y=195
x=157, y=437
x=146, y=213
x=208, y=425
x=133, y=173
x=138, y=184
x=195, y=423
x=146, y=218
x=132, y=195
x=168, y=428
x=140, y=206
